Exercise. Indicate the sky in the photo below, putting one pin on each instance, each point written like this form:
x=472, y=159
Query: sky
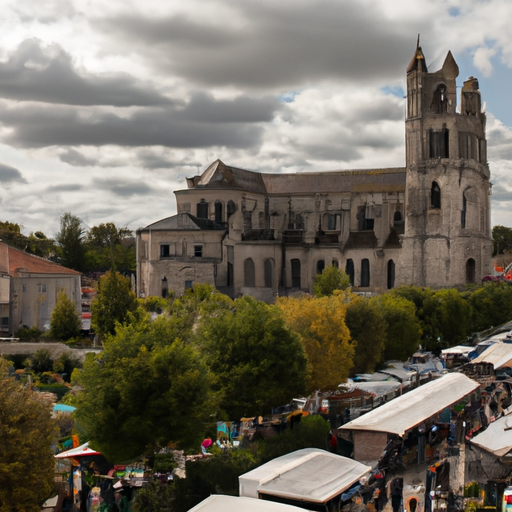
x=106, y=107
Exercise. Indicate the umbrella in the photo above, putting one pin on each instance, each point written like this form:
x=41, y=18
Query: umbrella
x=79, y=451
x=207, y=442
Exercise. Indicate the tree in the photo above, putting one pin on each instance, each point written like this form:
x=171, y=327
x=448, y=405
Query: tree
x=108, y=246
x=331, y=279
x=320, y=321
x=403, y=329
x=71, y=242
x=146, y=389
x=256, y=361
x=367, y=327
x=491, y=305
x=41, y=361
x=112, y=304
x=502, y=237
x=26, y=457
x=65, y=322
x=446, y=320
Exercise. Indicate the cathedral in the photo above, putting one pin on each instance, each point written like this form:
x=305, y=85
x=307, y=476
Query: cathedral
x=425, y=224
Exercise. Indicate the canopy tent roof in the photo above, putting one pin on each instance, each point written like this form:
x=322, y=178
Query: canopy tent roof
x=497, y=437
x=406, y=411
x=221, y=503
x=309, y=475
x=80, y=451
x=499, y=355
x=457, y=350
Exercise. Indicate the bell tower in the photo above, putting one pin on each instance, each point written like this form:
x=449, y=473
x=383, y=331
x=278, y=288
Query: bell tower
x=447, y=239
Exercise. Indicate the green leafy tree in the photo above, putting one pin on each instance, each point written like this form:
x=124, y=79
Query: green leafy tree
x=146, y=389
x=65, y=364
x=112, y=304
x=108, y=246
x=36, y=243
x=65, y=322
x=154, y=496
x=446, y=320
x=41, y=361
x=331, y=279
x=403, y=329
x=367, y=327
x=71, y=242
x=26, y=457
x=256, y=361
x=502, y=237
x=491, y=305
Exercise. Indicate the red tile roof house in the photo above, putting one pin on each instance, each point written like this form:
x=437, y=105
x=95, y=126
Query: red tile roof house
x=29, y=286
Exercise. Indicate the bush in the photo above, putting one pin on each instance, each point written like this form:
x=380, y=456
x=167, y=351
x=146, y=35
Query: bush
x=29, y=334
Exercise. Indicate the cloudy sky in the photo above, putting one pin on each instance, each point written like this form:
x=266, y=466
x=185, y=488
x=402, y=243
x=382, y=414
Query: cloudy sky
x=105, y=107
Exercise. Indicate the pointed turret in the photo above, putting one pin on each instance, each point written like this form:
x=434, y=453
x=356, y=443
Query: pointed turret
x=418, y=61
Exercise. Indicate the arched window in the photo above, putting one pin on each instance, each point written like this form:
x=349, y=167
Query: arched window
x=365, y=273
x=202, y=209
x=218, y=211
x=249, y=274
x=320, y=265
x=470, y=271
x=435, y=196
x=439, y=100
x=397, y=218
x=268, y=270
x=165, y=287
x=231, y=208
x=463, y=211
x=295, y=264
x=391, y=274
x=349, y=270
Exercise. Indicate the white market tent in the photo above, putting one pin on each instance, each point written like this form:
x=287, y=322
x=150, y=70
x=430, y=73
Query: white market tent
x=405, y=412
x=221, y=503
x=499, y=355
x=309, y=475
x=497, y=437
x=80, y=451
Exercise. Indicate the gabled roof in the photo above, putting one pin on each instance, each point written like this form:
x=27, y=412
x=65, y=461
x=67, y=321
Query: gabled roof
x=221, y=503
x=497, y=437
x=219, y=175
x=407, y=411
x=20, y=261
x=309, y=475
x=183, y=222
x=499, y=355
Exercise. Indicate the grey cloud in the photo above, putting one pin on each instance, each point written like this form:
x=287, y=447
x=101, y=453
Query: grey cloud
x=501, y=194
x=193, y=126
x=10, y=174
x=73, y=157
x=48, y=75
x=277, y=45
x=125, y=189
x=65, y=188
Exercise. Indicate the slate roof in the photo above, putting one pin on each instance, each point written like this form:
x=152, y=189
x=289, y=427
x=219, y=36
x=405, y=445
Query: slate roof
x=24, y=262
x=185, y=222
x=220, y=175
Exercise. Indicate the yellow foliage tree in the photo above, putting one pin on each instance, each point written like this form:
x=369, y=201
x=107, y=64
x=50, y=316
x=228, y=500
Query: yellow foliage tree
x=320, y=321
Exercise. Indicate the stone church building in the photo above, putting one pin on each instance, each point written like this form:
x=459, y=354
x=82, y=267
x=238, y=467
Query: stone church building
x=426, y=224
